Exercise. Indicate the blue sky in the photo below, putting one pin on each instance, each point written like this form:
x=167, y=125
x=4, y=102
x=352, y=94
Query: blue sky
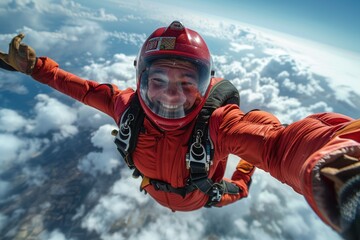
x=333, y=22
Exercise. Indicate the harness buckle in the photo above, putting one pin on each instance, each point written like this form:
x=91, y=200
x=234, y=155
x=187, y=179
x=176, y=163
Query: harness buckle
x=216, y=193
x=197, y=153
x=124, y=134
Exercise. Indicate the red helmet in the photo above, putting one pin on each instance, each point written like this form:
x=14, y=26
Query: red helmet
x=182, y=49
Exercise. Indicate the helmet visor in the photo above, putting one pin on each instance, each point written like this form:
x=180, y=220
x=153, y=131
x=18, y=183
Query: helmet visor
x=171, y=88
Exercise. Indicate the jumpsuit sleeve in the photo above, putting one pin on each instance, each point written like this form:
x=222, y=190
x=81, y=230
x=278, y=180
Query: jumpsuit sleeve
x=104, y=97
x=293, y=154
x=261, y=139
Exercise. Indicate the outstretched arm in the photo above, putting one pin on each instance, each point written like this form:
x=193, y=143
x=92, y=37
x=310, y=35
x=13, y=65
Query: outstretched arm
x=103, y=97
x=263, y=141
x=99, y=96
x=298, y=154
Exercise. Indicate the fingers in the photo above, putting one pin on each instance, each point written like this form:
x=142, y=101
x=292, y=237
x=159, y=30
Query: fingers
x=15, y=42
x=24, y=51
x=21, y=57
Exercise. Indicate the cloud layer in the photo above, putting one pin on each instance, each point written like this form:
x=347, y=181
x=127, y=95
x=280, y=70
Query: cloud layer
x=101, y=43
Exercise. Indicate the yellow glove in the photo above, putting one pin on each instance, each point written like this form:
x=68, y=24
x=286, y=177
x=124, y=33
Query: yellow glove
x=21, y=57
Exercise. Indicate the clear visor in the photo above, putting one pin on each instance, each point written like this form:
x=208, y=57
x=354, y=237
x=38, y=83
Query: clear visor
x=171, y=88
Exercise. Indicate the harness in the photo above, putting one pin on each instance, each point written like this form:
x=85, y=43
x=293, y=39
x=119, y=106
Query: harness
x=200, y=154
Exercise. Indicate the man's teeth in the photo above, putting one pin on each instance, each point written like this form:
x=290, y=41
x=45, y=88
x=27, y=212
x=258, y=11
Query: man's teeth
x=170, y=106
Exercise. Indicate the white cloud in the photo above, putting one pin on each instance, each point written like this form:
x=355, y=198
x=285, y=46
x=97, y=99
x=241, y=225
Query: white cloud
x=52, y=115
x=125, y=213
x=11, y=121
x=35, y=176
x=9, y=148
x=267, y=199
x=242, y=226
x=90, y=117
x=53, y=235
x=175, y=226
x=105, y=161
x=237, y=47
x=18, y=143
x=129, y=38
x=17, y=150
x=66, y=8
x=3, y=220
x=4, y=188
x=122, y=200
x=274, y=82
x=72, y=38
x=119, y=71
x=10, y=82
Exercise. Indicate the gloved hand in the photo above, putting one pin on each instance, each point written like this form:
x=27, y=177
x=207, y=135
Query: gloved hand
x=238, y=186
x=349, y=201
x=21, y=57
x=6, y=66
x=344, y=174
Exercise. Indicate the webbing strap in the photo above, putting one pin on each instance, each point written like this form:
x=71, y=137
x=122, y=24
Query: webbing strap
x=166, y=187
x=222, y=93
x=129, y=128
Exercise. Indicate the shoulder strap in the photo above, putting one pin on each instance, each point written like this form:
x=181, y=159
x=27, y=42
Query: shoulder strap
x=129, y=128
x=200, y=154
x=221, y=94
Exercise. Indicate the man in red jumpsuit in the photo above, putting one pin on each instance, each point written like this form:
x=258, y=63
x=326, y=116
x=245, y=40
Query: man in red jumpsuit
x=317, y=156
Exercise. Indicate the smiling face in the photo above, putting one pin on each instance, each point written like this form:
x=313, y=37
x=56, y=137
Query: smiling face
x=172, y=87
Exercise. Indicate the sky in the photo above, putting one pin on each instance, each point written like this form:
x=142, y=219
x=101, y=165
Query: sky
x=328, y=21
x=275, y=70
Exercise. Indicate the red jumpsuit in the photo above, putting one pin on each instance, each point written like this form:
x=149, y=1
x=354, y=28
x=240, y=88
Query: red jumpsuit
x=291, y=154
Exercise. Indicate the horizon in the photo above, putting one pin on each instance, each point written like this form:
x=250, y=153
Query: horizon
x=334, y=23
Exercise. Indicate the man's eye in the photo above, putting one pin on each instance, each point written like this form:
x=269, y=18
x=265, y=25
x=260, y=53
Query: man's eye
x=190, y=76
x=158, y=81
x=187, y=84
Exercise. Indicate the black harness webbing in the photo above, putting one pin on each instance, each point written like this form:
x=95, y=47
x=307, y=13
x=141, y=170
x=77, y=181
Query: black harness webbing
x=201, y=152
x=222, y=93
x=129, y=128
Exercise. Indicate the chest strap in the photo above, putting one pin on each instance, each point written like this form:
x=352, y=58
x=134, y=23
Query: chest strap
x=166, y=187
x=215, y=192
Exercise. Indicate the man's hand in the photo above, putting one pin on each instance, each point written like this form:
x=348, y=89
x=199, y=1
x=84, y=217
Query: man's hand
x=21, y=57
x=6, y=66
x=238, y=186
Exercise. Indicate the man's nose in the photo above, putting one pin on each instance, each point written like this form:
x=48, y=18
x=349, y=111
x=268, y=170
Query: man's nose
x=174, y=88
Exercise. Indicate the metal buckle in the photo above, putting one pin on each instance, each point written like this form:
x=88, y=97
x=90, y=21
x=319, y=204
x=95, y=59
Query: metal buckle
x=216, y=194
x=124, y=133
x=198, y=153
